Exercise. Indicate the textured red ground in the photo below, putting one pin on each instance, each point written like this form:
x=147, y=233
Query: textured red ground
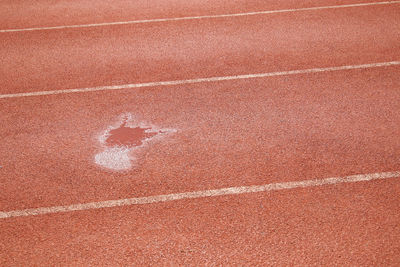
x=228, y=134
x=75, y=58
x=231, y=133
x=342, y=225
x=42, y=13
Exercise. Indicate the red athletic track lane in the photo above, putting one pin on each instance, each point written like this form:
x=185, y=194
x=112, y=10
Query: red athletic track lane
x=230, y=133
x=87, y=57
x=340, y=225
x=16, y=14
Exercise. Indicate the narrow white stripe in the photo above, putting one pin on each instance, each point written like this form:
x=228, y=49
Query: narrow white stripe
x=200, y=17
x=200, y=194
x=201, y=80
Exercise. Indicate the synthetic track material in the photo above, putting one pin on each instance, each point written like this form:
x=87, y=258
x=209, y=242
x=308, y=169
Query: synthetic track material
x=201, y=194
x=202, y=80
x=198, y=17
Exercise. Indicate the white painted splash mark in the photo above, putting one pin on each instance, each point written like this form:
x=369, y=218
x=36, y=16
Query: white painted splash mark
x=121, y=140
x=115, y=158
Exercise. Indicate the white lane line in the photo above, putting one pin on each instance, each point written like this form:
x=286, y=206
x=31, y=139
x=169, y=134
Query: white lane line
x=200, y=194
x=201, y=80
x=200, y=17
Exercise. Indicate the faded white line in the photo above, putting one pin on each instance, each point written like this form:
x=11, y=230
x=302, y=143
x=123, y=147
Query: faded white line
x=200, y=80
x=200, y=194
x=199, y=17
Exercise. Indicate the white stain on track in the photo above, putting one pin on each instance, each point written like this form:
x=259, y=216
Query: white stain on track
x=115, y=158
x=122, y=140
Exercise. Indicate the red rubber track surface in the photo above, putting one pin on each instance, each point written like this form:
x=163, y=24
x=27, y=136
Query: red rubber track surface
x=87, y=57
x=228, y=134
x=342, y=225
x=15, y=14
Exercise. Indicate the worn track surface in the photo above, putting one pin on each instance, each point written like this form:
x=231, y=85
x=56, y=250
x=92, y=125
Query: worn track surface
x=305, y=93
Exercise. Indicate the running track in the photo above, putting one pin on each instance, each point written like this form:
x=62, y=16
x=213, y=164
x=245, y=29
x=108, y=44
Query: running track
x=281, y=143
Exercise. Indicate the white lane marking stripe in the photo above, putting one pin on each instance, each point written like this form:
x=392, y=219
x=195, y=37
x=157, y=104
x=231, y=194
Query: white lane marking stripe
x=200, y=17
x=200, y=194
x=201, y=80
